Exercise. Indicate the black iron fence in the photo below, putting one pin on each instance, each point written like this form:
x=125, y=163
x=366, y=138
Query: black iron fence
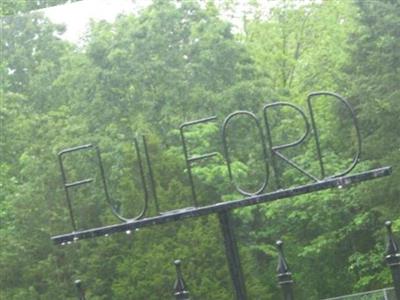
x=284, y=275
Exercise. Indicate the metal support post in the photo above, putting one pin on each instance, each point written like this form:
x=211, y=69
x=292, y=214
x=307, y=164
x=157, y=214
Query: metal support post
x=284, y=275
x=180, y=291
x=232, y=255
x=393, y=259
x=81, y=292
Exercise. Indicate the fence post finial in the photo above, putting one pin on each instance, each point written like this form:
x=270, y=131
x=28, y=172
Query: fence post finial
x=393, y=258
x=180, y=291
x=81, y=292
x=284, y=275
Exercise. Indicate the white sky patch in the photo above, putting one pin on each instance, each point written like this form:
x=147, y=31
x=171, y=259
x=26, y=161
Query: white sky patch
x=77, y=15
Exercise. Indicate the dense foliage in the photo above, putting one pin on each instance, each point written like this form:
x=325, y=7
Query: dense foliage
x=176, y=62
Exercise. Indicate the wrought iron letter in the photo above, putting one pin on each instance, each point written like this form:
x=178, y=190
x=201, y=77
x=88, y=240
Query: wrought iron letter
x=143, y=181
x=188, y=159
x=152, y=181
x=226, y=151
x=66, y=185
x=316, y=136
x=113, y=205
x=274, y=150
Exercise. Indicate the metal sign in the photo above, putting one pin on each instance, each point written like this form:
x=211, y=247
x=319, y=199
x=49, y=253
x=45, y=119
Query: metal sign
x=271, y=153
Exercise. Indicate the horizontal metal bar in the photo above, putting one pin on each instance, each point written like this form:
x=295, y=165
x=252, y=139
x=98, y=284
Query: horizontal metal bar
x=223, y=206
x=80, y=182
x=200, y=157
x=204, y=120
x=68, y=150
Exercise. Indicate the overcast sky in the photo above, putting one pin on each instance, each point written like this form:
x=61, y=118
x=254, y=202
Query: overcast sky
x=76, y=15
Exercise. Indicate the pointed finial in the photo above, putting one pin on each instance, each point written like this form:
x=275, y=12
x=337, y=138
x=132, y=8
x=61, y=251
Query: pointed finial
x=391, y=248
x=180, y=291
x=81, y=292
x=284, y=275
x=282, y=263
x=393, y=258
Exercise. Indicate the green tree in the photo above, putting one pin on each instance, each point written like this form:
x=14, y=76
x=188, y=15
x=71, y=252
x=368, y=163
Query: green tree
x=374, y=72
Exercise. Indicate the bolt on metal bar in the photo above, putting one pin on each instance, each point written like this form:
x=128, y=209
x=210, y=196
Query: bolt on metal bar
x=223, y=206
x=393, y=258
